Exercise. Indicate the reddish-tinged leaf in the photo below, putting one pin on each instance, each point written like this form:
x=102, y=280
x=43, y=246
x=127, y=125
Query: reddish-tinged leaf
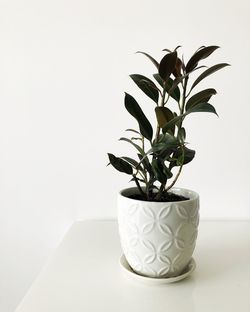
x=198, y=56
x=167, y=65
x=202, y=96
x=178, y=67
x=163, y=115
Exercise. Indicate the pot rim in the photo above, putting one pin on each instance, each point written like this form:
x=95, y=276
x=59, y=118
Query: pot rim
x=177, y=190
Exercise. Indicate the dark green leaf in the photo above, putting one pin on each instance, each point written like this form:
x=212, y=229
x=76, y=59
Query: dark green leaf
x=134, y=109
x=182, y=134
x=175, y=92
x=147, y=86
x=146, y=163
x=134, y=138
x=176, y=82
x=167, y=171
x=168, y=144
x=163, y=115
x=158, y=171
x=182, y=156
x=208, y=72
x=199, y=48
x=202, y=96
x=171, y=86
x=158, y=79
x=167, y=139
x=120, y=164
x=202, y=107
x=151, y=59
x=172, y=122
x=156, y=148
x=139, y=149
x=133, y=162
x=198, y=56
x=167, y=65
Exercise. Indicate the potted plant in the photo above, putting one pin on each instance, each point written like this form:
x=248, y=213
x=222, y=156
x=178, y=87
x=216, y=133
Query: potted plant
x=158, y=222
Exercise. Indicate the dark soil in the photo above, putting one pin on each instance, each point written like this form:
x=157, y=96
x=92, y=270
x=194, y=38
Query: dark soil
x=166, y=197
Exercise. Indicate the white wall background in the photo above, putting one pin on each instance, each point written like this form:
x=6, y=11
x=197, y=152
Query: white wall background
x=64, y=66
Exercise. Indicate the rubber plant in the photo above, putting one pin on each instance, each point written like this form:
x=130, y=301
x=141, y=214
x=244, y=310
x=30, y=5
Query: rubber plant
x=161, y=154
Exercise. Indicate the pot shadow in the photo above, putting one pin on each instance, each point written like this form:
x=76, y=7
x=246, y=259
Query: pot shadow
x=159, y=297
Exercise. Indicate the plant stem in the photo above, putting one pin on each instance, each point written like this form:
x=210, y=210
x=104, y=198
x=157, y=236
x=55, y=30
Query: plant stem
x=161, y=105
x=175, y=179
x=138, y=186
x=182, y=107
x=162, y=187
x=184, y=94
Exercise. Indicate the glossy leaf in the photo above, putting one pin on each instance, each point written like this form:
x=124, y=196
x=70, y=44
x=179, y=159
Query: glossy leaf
x=178, y=67
x=172, y=88
x=175, y=92
x=208, y=72
x=168, y=145
x=163, y=115
x=185, y=154
x=139, y=149
x=168, y=139
x=135, y=138
x=176, y=82
x=147, y=86
x=167, y=172
x=145, y=162
x=182, y=134
x=158, y=171
x=151, y=58
x=120, y=164
x=134, y=109
x=159, y=80
x=172, y=123
x=202, y=107
x=198, y=56
x=202, y=96
x=199, y=48
x=132, y=162
x=167, y=65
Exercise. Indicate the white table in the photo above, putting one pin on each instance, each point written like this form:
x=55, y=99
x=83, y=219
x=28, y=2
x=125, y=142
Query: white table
x=83, y=275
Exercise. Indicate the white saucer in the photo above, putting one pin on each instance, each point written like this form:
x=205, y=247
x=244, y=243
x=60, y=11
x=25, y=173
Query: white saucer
x=155, y=281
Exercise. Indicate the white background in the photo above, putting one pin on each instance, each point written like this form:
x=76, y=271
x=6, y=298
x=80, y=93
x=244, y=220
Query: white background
x=64, y=66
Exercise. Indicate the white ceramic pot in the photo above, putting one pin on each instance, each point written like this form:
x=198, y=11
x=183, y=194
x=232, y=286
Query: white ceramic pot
x=158, y=238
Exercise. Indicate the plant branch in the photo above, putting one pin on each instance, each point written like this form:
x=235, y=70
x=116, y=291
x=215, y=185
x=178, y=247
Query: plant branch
x=175, y=179
x=182, y=107
x=161, y=190
x=161, y=104
x=138, y=186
